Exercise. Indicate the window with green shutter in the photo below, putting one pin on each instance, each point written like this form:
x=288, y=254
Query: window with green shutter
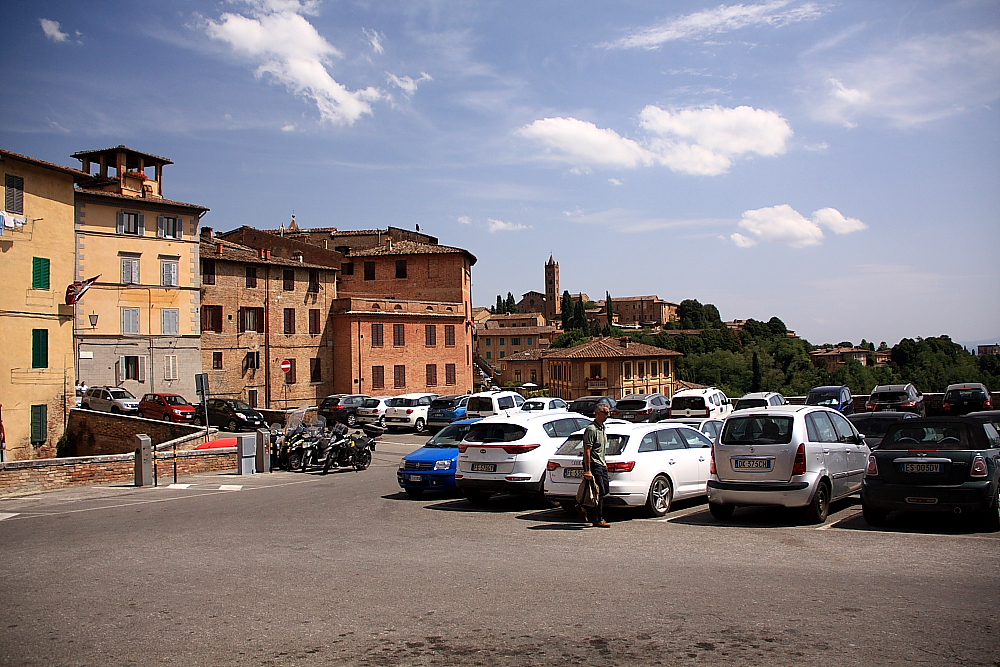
x=39, y=423
x=39, y=348
x=40, y=273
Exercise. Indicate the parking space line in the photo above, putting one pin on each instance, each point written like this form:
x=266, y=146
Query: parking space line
x=7, y=515
x=178, y=486
x=231, y=487
x=830, y=524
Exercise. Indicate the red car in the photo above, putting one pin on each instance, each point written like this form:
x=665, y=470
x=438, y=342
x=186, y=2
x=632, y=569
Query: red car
x=168, y=407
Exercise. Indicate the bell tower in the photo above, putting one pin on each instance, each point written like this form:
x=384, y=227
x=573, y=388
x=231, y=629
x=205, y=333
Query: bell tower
x=553, y=304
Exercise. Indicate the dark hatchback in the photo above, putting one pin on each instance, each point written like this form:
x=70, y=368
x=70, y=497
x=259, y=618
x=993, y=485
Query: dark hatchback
x=342, y=408
x=586, y=405
x=896, y=398
x=231, y=413
x=960, y=399
x=934, y=464
x=873, y=425
x=837, y=398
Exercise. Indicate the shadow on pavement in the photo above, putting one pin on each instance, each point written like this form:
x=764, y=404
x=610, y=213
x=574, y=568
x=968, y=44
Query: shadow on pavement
x=919, y=523
x=497, y=504
x=761, y=517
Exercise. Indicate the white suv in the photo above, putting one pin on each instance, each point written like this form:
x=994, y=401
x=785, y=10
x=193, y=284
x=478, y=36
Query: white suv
x=489, y=403
x=372, y=411
x=503, y=454
x=117, y=400
x=707, y=402
x=408, y=411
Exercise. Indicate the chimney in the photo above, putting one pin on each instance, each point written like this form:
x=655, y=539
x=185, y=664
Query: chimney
x=262, y=253
x=208, y=232
x=218, y=248
x=624, y=341
x=389, y=243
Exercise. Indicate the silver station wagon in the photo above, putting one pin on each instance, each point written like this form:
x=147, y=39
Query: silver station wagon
x=790, y=456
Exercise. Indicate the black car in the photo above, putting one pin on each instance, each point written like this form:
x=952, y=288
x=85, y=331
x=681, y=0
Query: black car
x=896, y=398
x=230, y=413
x=587, y=405
x=960, y=399
x=934, y=464
x=342, y=408
x=642, y=408
x=873, y=425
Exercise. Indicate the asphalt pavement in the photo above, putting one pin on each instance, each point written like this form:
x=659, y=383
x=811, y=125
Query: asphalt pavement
x=344, y=569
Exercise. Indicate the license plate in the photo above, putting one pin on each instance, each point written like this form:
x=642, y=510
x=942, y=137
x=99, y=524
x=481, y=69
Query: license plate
x=484, y=467
x=573, y=472
x=628, y=417
x=752, y=464
x=416, y=478
x=921, y=467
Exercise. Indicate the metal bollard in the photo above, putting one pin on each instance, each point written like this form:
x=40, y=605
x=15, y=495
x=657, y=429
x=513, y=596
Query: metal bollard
x=143, y=460
x=246, y=454
x=263, y=450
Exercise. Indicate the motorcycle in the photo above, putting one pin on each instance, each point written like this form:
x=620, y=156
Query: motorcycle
x=317, y=449
x=303, y=427
x=352, y=451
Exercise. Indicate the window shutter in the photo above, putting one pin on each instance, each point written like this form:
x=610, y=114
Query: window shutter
x=40, y=273
x=142, y=224
x=161, y=230
x=39, y=348
x=121, y=222
x=180, y=228
x=142, y=368
x=119, y=370
x=39, y=423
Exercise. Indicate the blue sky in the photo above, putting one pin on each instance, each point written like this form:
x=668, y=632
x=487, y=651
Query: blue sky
x=835, y=164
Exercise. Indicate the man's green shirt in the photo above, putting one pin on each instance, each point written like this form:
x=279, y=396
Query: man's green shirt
x=595, y=438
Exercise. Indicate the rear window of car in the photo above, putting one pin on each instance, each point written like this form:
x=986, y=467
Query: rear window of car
x=890, y=397
x=872, y=425
x=574, y=445
x=965, y=395
x=175, y=400
x=757, y=430
x=495, y=433
x=371, y=403
x=401, y=402
x=908, y=437
x=744, y=403
x=444, y=403
x=631, y=405
x=330, y=401
x=480, y=404
x=528, y=406
x=585, y=406
x=688, y=403
x=823, y=398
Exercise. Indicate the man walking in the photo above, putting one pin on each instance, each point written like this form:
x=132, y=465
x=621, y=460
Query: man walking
x=595, y=441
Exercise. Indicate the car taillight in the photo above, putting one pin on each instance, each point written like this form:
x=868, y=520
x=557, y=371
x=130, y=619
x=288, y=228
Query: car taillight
x=711, y=465
x=409, y=411
x=909, y=404
x=708, y=412
x=621, y=466
x=519, y=449
x=870, y=406
x=988, y=404
x=978, y=467
x=462, y=448
x=799, y=467
x=872, y=469
x=339, y=407
x=552, y=465
x=616, y=413
x=647, y=411
x=945, y=406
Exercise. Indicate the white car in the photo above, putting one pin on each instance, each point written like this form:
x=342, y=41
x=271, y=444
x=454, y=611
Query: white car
x=503, y=454
x=373, y=410
x=710, y=427
x=649, y=465
x=544, y=404
x=707, y=402
x=489, y=403
x=408, y=411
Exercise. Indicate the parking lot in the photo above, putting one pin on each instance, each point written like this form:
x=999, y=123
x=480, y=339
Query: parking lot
x=305, y=569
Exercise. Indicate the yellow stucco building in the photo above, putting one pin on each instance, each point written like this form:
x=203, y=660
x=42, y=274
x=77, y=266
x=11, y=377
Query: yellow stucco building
x=37, y=379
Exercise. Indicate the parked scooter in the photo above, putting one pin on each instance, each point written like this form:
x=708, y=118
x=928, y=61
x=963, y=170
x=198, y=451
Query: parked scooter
x=316, y=450
x=302, y=427
x=352, y=451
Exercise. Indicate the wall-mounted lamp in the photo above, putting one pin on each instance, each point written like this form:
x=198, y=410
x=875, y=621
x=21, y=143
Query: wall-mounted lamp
x=93, y=320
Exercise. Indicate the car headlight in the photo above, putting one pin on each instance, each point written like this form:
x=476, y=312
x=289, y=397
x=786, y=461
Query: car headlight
x=242, y=416
x=442, y=465
x=402, y=463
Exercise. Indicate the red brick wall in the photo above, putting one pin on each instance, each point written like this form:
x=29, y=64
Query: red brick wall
x=101, y=433
x=429, y=277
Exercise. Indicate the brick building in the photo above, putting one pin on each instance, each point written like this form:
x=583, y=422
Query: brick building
x=833, y=358
x=259, y=310
x=646, y=311
x=495, y=344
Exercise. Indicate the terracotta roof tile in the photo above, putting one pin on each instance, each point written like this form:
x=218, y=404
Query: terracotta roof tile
x=139, y=201
x=602, y=348
x=234, y=252
x=410, y=248
x=79, y=175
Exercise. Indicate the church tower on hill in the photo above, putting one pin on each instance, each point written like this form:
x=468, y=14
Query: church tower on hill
x=553, y=301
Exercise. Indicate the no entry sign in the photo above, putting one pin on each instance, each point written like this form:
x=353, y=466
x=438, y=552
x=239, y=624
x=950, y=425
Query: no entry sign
x=286, y=365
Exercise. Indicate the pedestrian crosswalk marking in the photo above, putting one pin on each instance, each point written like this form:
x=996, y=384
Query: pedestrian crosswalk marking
x=178, y=486
x=231, y=487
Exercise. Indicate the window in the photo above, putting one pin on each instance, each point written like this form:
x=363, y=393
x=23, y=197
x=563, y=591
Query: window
x=641, y=369
x=819, y=428
x=130, y=320
x=369, y=270
x=378, y=377
x=534, y=375
x=130, y=271
x=502, y=354
x=378, y=335
x=15, y=199
x=489, y=355
x=517, y=376
x=399, y=376
x=430, y=335
x=347, y=268
x=170, y=367
x=503, y=341
x=400, y=268
x=290, y=375
x=252, y=360
x=315, y=370
x=208, y=272
x=168, y=227
x=39, y=348
x=39, y=415
x=252, y=397
x=251, y=276
x=432, y=375
x=289, y=320
x=489, y=342
x=40, y=273
x=595, y=370
x=449, y=335
x=168, y=273
x=628, y=370
x=250, y=319
x=449, y=374
x=131, y=223
x=211, y=318
x=314, y=322
x=398, y=335
x=132, y=368
x=313, y=280
x=216, y=361
x=288, y=280
x=170, y=321
x=654, y=369
x=531, y=341
x=515, y=341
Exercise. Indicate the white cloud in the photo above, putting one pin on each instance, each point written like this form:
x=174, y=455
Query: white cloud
x=464, y=219
x=287, y=127
x=375, y=39
x=701, y=141
x=277, y=37
x=408, y=84
x=783, y=224
x=501, y=226
x=915, y=81
x=722, y=19
x=614, y=181
x=52, y=30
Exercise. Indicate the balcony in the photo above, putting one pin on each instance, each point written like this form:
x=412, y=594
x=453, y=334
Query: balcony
x=597, y=383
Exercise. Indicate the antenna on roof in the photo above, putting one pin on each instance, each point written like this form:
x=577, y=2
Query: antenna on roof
x=418, y=227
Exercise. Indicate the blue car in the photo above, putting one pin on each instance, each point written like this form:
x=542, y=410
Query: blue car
x=433, y=465
x=838, y=398
x=446, y=409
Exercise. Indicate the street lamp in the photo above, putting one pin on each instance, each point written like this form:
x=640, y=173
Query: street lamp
x=93, y=320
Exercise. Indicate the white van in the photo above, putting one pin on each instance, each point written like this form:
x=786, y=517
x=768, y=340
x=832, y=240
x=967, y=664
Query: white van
x=708, y=402
x=489, y=403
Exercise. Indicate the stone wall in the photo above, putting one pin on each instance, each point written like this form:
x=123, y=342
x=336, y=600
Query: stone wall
x=93, y=433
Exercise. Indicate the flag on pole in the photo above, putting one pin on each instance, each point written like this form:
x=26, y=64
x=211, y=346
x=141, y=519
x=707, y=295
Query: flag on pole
x=78, y=289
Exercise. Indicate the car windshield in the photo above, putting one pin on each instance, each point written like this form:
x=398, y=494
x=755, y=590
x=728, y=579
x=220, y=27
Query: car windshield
x=965, y=395
x=372, y=403
x=401, y=402
x=449, y=436
x=240, y=405
x=118, y=394
x=495, y=433
x=889, y=397
x=175, y=400
x=744, y=403
x=927, y=436
x=688, y=403
x=444, y=403
x=757, y=430
x=631, y=405
x=823, y=398
x=574, y=445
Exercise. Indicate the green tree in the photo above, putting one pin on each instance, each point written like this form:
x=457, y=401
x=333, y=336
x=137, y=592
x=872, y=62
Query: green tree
x=777, y=327
x=510, y=304
x=609, y=308
x=579, y=315
x=567, y=311
x=756, y=374
x=713, y=319
x=692, y=314
x=569, y=338
x=500, y=308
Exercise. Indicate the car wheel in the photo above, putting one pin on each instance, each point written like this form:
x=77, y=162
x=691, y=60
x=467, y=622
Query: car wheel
x=874, y=516
x=201, y=420
x=478, y=497
x=232, y=425
x=166, y=418
x=381, y=421
x=819, y=507
x=352, y=420
x=721, y=511
x=568, y=506
x=294, y=461
x=991, y=519
x=85, y=406
x=418, y=426
x=414, y=493
x=660, y=497
x=115, y=410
